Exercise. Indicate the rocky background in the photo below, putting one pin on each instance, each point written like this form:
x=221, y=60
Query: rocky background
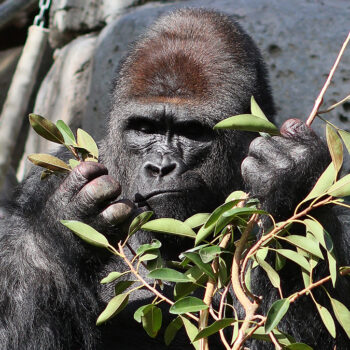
x=299, y=40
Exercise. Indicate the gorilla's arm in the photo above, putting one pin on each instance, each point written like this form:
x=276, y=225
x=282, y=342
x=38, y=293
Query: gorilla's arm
x=46, y=272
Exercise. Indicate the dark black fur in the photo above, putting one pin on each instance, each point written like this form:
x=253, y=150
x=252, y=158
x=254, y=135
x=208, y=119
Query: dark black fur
x=190, y=70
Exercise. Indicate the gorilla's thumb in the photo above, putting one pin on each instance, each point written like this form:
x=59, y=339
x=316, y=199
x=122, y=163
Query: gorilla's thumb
x=296, y=128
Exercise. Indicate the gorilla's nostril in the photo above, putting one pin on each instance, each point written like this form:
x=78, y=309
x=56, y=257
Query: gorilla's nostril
x=165, y=170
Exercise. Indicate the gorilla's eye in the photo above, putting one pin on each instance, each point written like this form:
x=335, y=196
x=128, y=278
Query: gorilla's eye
x=195, y=131
x=142, y=125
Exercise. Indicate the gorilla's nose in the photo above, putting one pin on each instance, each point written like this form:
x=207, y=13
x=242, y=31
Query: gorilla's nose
x=166, y=167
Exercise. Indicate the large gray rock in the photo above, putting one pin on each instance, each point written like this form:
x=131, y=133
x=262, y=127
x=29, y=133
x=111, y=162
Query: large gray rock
x=299, y=41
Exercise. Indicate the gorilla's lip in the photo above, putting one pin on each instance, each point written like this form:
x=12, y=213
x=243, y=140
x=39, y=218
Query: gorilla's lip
x=139, y=198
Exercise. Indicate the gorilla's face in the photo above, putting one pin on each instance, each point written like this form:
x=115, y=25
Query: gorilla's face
x=171, y=157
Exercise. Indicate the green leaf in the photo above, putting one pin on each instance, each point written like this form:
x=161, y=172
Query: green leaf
x=327, y=319
x=304, y=243
x=275, y=314
x=218, y=212
x=170, y=226
x=197, y=220
x=49, y=162
x=214, y=328
x=112, y=276
x=45, y=174
x=197, y=278
x=243, y=211
x=256, y=110
x=236, y=195
x=140, y=312
x=346, y=138
x=324, y=182
x=122, y=286
x=322, y=236
x=332, y=264
x=115, y=305
x=46, y=128
x=203, y=233
x=342, y=314
x=166, y=274
x=140, y=220
x=191, y=331
x=86, y=233
x=84, y=140
x=294, y=256
x=187, y=304
x=73, y=163
x=283, y=339
x=298, y=346
x=152, y=320
x=341, y=188
x=271, y=273
x=150, y=255
x=247, y=122
x=208, y=254
x=148, y=246
x=206, y=268
x=335, y=147
x=66, y=132
x=173, y=327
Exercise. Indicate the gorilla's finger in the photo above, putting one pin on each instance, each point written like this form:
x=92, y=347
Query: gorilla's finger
x=96, y=192
x=118, y=212
x=269, y=151
x=297, y=129
x=80, y=176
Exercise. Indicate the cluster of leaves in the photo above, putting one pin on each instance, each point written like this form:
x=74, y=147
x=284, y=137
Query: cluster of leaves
x=83, y=148
x=225, y=251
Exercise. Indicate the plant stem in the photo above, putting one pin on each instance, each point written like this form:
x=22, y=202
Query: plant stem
x=319, y=99
x=140, y=278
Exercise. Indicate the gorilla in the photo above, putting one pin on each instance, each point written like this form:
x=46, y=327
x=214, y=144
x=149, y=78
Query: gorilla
x=190, y=70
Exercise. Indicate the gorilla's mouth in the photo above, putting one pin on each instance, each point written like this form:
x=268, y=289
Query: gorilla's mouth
x=141, y=198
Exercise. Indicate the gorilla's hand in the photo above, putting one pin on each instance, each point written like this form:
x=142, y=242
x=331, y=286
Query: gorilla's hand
x=281, y=170
x=89, y=194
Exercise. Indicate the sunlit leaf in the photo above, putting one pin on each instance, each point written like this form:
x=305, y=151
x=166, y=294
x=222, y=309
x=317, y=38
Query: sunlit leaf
x=275, y=314
x=342, y=314
x=187, y=304
x=170, y=226
x=49, y=162
x=148, y=246
x=243, y=211
x=112, y=276
x=150, y=255
x=282, y=338
x=317, y=230
x=306, y=244
x=191, y=331
x=166, y=274
x=341, y=188
x=73, y=163
x=140, y=312
x=324, y=182
x=294, y=256
x=140, y=220
x=115, y=305
x=84, y=140
x=236, y=195
x=327, y=319
x=172, y=329
x=86, y=233
x=197, y=220
x=248, y=122
x=335, y=147
x=66, y=132
x=203, y=233
x=346, y=138
x=206, y=268
x=214, y=328
x=218, y=212
x=208, y=254
x=256, y=110
x=271, y=273
x=46, y=128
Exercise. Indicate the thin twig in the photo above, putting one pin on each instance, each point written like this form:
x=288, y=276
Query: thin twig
x=221, y=308
x=274, y=340
x=249, y=306
x=140, y=278
x=319, y=99
x=335, y=105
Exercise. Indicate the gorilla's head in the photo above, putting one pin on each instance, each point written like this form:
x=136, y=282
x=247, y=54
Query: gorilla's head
x=190, y=70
